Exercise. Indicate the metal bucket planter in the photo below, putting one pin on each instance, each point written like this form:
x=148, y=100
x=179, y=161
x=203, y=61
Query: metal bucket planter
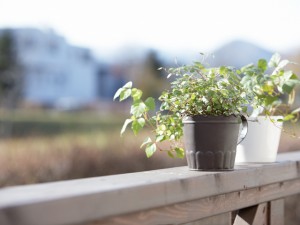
x=211, y=141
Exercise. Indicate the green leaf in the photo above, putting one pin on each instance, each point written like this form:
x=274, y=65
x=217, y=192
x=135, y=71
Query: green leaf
x=137, y=125
x=288, y=117
x=223, y=70
x=125, y=93
x=127, y=121
x=128, y=85
x=268, y=100
x=160, y=138
x=146, y=141
x=274, y=61
x=138, y=109
x=282, y=64
x=193, y=96
x=244, y=69
x=118, y=92
x=150, y=149
x=136, y=94
x=289, y=85
x=179, y=152
x=268, y=87
x=150, y=103
x=262, y=64
x=288, y=75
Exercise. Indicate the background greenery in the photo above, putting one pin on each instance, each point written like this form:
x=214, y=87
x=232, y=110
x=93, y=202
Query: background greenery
x=43, y=146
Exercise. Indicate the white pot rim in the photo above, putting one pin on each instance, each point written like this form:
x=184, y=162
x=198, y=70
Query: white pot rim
x=255, y=118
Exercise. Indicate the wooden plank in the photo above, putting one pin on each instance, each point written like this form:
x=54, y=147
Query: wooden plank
x=276, y=216
x=254, y=215
x=77, y=201
x=222, y=219
x=202, y=208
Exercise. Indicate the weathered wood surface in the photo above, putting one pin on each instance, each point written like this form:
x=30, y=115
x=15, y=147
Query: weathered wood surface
x=254, y=215
x=221, y=219
x=276, y=215
x=168, y=196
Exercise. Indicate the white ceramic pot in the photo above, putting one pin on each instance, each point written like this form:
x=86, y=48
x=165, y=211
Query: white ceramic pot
x=261, y=142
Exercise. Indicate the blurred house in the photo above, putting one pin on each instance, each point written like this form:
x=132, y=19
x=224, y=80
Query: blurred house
x=55, y=72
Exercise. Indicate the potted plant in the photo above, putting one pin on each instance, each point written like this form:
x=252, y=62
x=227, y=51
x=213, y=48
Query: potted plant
x=205, y=105
x=273, y=89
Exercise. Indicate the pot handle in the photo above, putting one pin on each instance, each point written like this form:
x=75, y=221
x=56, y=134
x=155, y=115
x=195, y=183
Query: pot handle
x=244, y=129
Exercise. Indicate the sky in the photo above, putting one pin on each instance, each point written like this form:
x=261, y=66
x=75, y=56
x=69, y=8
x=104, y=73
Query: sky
x=169, y=25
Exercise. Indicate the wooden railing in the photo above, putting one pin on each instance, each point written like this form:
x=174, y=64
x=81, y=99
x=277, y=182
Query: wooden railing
x=251, y=194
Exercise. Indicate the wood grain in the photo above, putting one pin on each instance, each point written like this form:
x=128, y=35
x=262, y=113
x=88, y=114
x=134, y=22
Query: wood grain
x=214, y=205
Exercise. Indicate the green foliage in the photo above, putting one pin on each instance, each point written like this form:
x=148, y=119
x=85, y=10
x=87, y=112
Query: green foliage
x=195, y=90
x=270, y=85
x=205, y=91
x=219, y=91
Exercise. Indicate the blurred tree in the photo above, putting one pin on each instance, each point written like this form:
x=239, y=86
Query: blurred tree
x=148, y=77
x=10, y=72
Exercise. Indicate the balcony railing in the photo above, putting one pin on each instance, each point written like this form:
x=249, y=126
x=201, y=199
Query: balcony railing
x=251, y=194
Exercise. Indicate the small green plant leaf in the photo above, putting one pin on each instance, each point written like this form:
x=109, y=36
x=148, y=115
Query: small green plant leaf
x=288, y=74
x=138, y=108
x=267, y=87
x=179, y=152
x=288, y=117
x=136, y=94
x=125, y=93
x=274, y=61
x=289, y=85
x=150, y=149
x=282, y=64
x=193, y=96
x=146, y=141
x=127, y=121
x=128, y=85
x=137, y=125
x=118, y=92
x=160, y=138
x=270, y=99
x=262, y=64
x=150, y=103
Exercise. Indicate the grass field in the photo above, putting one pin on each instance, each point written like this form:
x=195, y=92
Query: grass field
x=49, y=146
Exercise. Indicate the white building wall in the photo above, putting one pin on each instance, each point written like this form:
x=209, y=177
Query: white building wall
x=55, y=71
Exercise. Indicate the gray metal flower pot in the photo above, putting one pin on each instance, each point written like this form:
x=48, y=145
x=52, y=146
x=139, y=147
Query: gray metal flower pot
x=211, y=141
